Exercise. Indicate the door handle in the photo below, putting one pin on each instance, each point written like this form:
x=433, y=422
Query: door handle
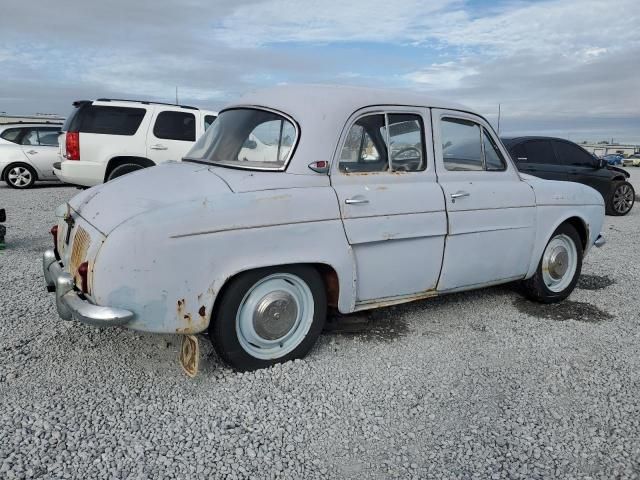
x=459, y=194
x=158, y=146
x=356, y=201
x=32, y=152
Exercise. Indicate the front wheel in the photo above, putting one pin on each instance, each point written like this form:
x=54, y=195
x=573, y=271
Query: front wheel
x=621, y=200
x=558, y=269
x=268, y=316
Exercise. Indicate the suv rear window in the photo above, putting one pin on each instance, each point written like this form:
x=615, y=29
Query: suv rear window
x=175, y=126
x=106, y=120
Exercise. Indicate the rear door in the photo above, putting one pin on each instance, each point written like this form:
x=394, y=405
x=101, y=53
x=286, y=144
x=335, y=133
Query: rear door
x=537, y=157
x=172, y=134
x=390, y=202
x=582, y=167
x=40, y=145
x=491, y=210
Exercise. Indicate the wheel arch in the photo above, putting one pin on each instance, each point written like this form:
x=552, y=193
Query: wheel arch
x=328, y=273
x=124, y=159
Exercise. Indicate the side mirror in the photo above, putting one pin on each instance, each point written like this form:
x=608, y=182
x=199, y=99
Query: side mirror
x=602, y=163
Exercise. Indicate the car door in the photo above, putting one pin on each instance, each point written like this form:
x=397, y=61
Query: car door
x=582, y=167
x=40, y=145
x=537, y=157
x=391, y=205
x=171, y=135
x=491, y=211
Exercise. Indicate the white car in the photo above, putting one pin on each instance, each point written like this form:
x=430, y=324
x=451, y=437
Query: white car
x=106, y=138
x=255, y=251
x=27, y=153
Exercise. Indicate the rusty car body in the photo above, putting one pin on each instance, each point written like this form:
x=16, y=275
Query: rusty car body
x=384, y=196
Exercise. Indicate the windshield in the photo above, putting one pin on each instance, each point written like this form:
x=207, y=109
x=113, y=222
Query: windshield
x=247, y=138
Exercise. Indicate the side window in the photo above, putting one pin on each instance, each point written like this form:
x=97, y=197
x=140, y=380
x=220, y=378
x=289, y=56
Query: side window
x=461, y=145
x=11, y=134
x=365, y=149
x=48, y=136
x=569, y=154
x=492, y=157
x=406, y=143
x=30, y=138
x=518, y=153
x=109, y=120
x=208, y=120
x=175, y=126
x=269, y=142
x=539, y=151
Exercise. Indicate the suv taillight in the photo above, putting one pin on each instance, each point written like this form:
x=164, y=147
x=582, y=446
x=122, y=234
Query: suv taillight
x=73, y=145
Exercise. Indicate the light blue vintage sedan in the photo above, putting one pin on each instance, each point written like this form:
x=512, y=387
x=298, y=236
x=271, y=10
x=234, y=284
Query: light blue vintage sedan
x=303, y=198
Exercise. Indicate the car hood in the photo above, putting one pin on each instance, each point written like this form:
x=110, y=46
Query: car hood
x=108, y=205
x=619, y=170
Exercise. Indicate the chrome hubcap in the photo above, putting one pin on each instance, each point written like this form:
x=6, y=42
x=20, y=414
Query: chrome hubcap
x=623, y=199
x=19, y=176
x=559, y=263
x=274, y=316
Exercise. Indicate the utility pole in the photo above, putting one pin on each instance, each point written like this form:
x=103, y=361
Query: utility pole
x=177, y=95
x=498, y=119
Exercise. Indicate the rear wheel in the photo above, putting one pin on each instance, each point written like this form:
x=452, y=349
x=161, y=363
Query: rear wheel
x=268, y=316
x=558, y=269
x=20, y=176
x=123, y=170
x=622, y=199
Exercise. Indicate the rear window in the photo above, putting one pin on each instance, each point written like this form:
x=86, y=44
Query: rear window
x=176, y=126
x=105, y=120
x=11, y=134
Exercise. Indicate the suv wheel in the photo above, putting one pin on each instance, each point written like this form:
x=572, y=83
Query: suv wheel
x=20, y=176
x=123, y=170
x=621, y=200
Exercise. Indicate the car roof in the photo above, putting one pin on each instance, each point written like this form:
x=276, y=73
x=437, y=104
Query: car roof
x=119, y=101
x=309, y=101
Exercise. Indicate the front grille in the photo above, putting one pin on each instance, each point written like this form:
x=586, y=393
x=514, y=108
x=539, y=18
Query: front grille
x=79, y=247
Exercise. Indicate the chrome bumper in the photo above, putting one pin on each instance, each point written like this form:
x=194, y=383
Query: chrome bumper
x=71, y=305
x=600, y=240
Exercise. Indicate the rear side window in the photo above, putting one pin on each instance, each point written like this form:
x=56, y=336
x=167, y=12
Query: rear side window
x=539, y=151
x=518, y=153
x=176, y=126
x=208, y=120
x=11, y=134
x=106, y=120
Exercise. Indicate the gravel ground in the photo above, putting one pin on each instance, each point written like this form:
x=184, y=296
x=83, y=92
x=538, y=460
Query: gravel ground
x=474, y=385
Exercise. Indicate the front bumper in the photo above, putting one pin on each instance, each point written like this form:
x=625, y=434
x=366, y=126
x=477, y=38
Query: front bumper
x=73, y=305
x=600, y=240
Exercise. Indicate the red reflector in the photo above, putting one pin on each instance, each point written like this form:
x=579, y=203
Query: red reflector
x=54, y=232
x=83, y=271
x=73, y=145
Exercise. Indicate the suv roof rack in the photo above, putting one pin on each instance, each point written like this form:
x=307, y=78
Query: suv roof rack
x=145, y=102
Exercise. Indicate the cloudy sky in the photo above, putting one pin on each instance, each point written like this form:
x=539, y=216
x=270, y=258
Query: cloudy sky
x=564, y=67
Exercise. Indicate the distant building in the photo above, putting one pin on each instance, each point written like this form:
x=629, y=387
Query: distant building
x=601, y=149
x=37, y=118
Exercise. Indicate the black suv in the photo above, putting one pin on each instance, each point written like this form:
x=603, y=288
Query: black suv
x=559, y=159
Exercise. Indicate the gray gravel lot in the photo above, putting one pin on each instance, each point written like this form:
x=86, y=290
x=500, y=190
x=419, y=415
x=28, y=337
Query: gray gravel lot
x=474, y=385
